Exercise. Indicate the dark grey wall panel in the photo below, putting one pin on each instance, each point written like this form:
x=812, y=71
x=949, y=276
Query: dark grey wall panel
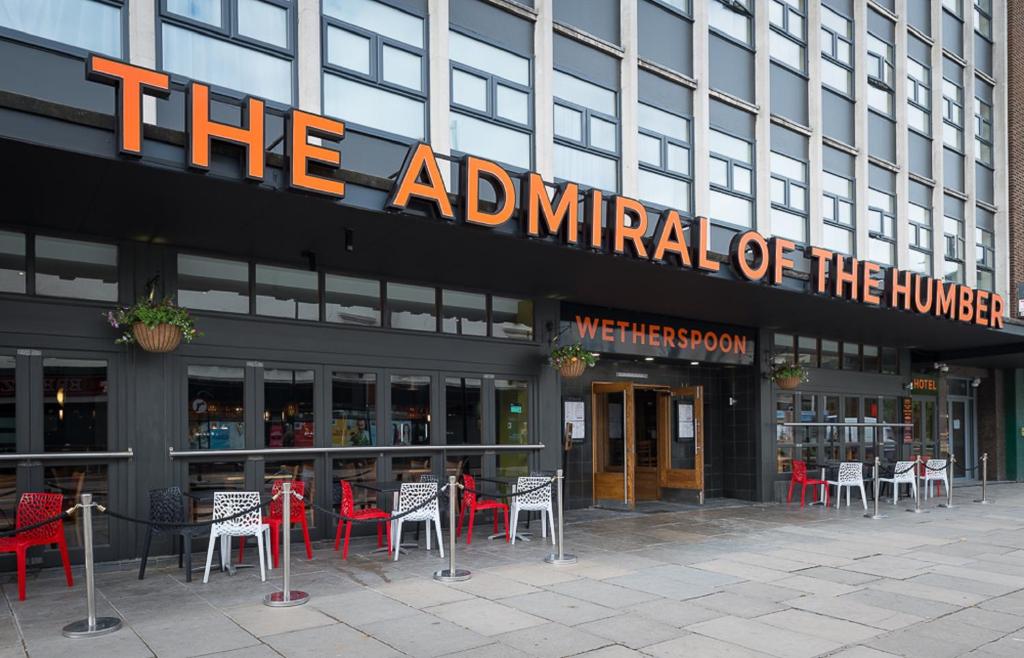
x=983, y=183
x=952, y=207
x=919, y=50
x=788, y=142
x=952, y=71
x=494, y=25
x=573, y=57
x=983, y=90
x=789, y=94
x=920, y=154
x=982, y=54
x=881, y=27
x=952, y=33
x=985, y=219
x=597, y=17
x=732, y=120
x=53, y=77
x=666, y=37
x=881, y=137
x=837, y=117
x=919, y=14
x=732, y=68
x=838, y=162
x=656, y=90
x=953, y=170
x=920, y=194
x=888, y=4
x=844, y=7
x=881, y=179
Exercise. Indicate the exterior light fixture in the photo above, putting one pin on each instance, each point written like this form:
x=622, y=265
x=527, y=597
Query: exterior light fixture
x=648, y=358
x=694, y=363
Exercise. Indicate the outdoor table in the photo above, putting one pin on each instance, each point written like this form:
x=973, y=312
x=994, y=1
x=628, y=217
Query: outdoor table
x=521, y=535
x=392, y=487
x=206, y=496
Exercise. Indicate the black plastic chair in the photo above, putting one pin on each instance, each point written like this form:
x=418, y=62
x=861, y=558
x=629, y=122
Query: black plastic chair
x=168, y=506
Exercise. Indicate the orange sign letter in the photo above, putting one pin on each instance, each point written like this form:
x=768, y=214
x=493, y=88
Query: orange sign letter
x=131, y=82
x=301, y=152
x=421, y=162
x=202, y=131
x=537, y=204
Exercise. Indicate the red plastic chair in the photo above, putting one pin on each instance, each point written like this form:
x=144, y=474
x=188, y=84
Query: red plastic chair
x=470, y=502
x=276, y=520
x=33, y=508
x=348, y=509
x=799, y=476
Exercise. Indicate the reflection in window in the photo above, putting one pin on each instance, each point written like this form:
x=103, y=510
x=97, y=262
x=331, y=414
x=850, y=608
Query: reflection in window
x=286, y=293
x=87, y=24
x=349, y=300
x=410, y=469
x=463, y=422
x=353, y=409
x=783, y=348
x=851, y=356
x=8, y=497
x=830, y=354
x=204, y=478
x=72, y=268
x=300, y=471
x=732, y=18
x=288, y=419
x=511, y=318
x=213, y=284
x=410, y=409
x=71, y=481
x=216, y=408
x=354, y=471
x=12, y=262
x=8, y=406
x=412, y=307
x=871, y=361
x=512, y=424
x=465, y=313
x=74, y=405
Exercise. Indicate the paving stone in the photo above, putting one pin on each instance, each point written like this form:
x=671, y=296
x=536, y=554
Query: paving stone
x=692, y=645
x=335, y=640
x=742, y=571
x=207, y=631
x=495, y=650
x=552, y=641
x=123, y=644
x=261, y=620
x=488, y=585
x=613, y=651
x=936, y=639
x=729, y=603
x=361, y=607
x=952, y=596
x=661, y=586
x=425, y=635
x=861, y=652
x=631, y=630
x=838, y=575
x=815, y=585
x=900, y=603
x=602, y=593
x=422, y=592
x=828, y=628
x=563, y=609
x=485, y=617
x=995, y=621
x=756, y=636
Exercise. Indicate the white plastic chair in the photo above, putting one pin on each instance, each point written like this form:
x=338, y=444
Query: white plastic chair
x=534, y=501
x=935, y=475
x=229, y=503
x=851, y=474
x=411, y=495
x=900, y=477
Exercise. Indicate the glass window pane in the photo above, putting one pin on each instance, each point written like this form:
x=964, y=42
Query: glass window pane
x=204, y=478
x=216, y=408
x=402, y=68
x=788, y=225
x=786, y=50
x=783, y=349
x=663, y=190
x=788, y=167
x=465, y=313
x=729, y=208
x=288, y=418
x=71, y=481
x=206, y=11
x=730, y=147
x=836, y=76
x=512, y=426
x=490, y=140
x=778, y=191
x=488, y=58
x=74, y=405
x=348, y=50
x=511, y=318
x=649, y=149
x=851, y=356
x=871, y=362
x=412, y=307
x=729, y=22
x=263, y=21
x=807, y=351
x=286, y=293
x=602, y=134
x=659, y=121
x=353, y=409
x=354, y=471
x=304, y=474
x=583, y=93
x=890, y=361
x=463, y=411
x=378, y=17
x=12, y=262
x=89, y=25
x=349, y=300
x=71, y=268
x=742, y=179
x=513, y=104
x=8, y=406
x=213, y=284
x=373, y=107
x=719, y=172
x=829, y=354
x=410, y=469
x=568, y=123
x=678, y=159
x=410, y=410
x=588, y=169
x=229, y=65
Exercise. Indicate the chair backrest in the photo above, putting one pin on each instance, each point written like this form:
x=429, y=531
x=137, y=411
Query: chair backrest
x=539, y=499
x=898, y=473
x=229, y=503
x=166, y=506
x=298, y=504
x=851, y=472
x=799, y=470
x=428, y=477
x=933, y=464
x=413, y=494
x=468, y=493
x=34, y=507
x=348, y=503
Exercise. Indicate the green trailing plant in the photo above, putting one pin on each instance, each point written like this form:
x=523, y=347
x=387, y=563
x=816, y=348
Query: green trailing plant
x=151, y=313
x=568, y=353
x=790, y=371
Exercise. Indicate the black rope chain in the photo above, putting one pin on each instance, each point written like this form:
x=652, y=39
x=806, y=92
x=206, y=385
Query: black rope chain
x=514, y=494
x=186, y=524
x=39, y=524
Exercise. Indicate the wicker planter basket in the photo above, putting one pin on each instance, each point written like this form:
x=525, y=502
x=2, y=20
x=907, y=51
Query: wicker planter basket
x=161, y=338
x=572, y=368
x=787, y=383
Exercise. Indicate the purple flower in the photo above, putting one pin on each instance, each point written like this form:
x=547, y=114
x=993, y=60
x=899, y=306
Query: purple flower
x=112, y=320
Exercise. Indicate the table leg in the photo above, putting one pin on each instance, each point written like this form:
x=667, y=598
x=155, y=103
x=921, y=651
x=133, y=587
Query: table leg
x=821, y=491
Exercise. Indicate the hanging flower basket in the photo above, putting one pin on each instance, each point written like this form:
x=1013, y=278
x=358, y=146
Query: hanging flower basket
x=789, y=377
x=572, y=368
x=161, y=338
x=787, y=383
x=572, y=360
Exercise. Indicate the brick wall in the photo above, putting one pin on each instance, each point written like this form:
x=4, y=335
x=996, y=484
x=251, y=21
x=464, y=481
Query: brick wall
x=1015, y=96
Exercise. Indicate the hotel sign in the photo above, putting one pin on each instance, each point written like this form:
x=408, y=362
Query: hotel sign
x=617, y=225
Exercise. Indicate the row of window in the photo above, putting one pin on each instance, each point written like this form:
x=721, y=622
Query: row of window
x=811, y=352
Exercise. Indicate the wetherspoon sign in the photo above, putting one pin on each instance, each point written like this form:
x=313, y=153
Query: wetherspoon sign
x=616, y=224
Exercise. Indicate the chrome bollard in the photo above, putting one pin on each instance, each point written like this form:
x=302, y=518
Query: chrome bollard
x=287, y=597
x=560, y=557
x=451, y=574
x=92, y=625
x=949, y=482
x=984, y=480
x=917, y=487
x=875, y=474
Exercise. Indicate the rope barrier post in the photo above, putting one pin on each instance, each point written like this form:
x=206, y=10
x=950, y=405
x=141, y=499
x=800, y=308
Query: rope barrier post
x=875, y=474
x=560, y=557
x=91, y=626
x=287, y=597
x=451, y=574
x=916, y=509
x=949, y=482
x=984, y=480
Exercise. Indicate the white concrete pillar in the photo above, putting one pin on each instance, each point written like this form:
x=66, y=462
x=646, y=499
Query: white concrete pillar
x=860, y=125
x=308, y=51
x=1000, y=154
x=439, y=98
x=543, y=103
x=629, y=76
x=814, y=143
x=970, y=186
x=701, y=112
x=938, y=198
x=902, y=250
x=762, y=124
x=141, y=46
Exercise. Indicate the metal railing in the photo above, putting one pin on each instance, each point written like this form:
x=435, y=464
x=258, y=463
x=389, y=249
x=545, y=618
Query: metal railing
x=61, y=456
x=844, y=424
x=351, y=450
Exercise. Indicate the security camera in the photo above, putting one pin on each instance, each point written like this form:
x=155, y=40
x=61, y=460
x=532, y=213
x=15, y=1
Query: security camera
x=941, y=367
x=976, y=382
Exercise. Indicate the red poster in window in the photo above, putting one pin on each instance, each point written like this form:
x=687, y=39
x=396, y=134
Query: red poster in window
x=276, y=437
x=304, y=434
x=908, y=417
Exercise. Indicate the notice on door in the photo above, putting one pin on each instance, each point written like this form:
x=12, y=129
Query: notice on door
x=684, y=414
x=575, y=414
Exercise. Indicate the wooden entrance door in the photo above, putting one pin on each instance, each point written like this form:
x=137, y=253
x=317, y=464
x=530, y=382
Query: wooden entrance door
x=614, y=443
x=681, y=458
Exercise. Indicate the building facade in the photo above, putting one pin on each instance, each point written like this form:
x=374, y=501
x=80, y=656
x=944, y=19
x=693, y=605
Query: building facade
x=384, y=214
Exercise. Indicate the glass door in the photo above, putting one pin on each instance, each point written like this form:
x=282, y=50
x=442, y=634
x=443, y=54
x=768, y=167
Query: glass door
x=961, y=434
x=682, y=439
x=614, y=443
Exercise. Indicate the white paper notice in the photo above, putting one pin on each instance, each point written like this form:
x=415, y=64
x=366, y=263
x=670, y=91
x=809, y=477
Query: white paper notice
x=575, y=414
x=685, y=421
